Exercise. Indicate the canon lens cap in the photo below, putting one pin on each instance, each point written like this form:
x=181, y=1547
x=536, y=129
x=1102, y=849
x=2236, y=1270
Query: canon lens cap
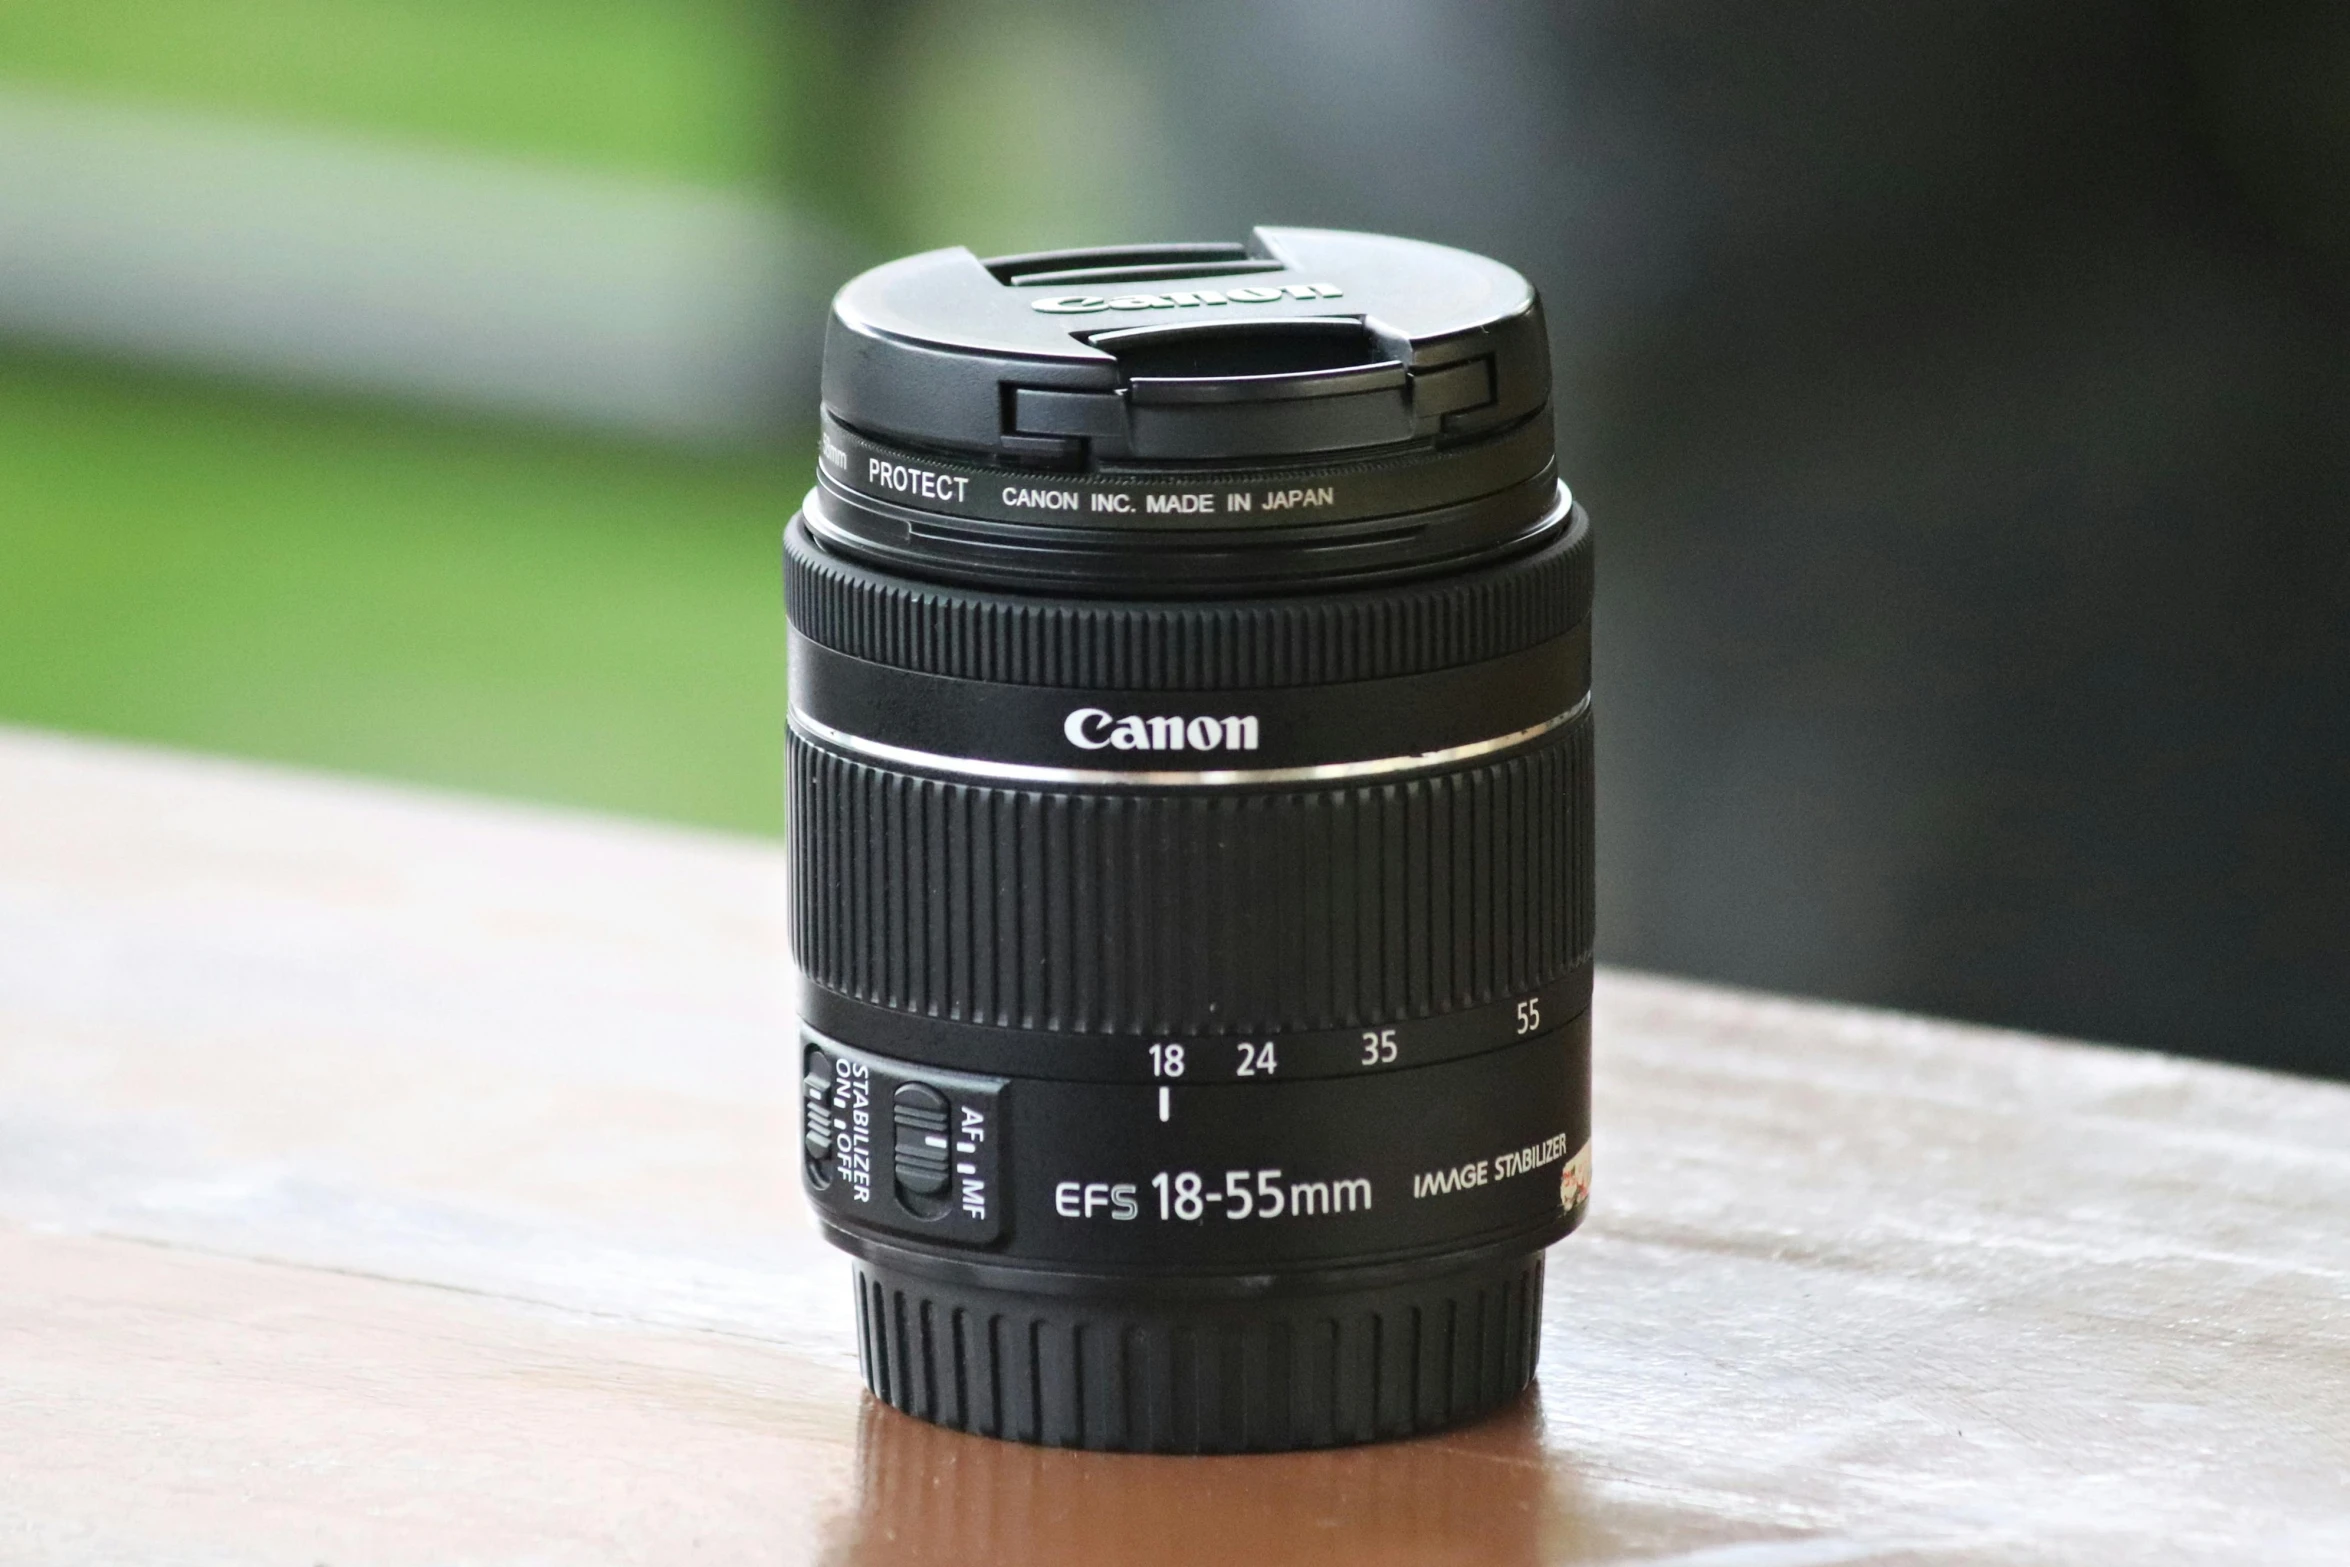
x=1299, y=342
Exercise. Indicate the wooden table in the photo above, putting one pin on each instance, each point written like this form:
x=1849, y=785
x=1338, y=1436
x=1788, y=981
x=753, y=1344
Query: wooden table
x=391, y=1179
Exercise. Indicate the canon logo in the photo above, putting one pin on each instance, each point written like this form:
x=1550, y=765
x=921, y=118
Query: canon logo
x=1087, y=304
x=1091, y=729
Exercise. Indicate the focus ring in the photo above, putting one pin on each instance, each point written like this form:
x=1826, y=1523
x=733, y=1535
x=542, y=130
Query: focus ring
x=1274, y=1375
x=1192, y=912
x=1236, y=644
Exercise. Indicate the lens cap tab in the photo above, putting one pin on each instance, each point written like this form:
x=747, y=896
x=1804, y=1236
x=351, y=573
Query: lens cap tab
x=1301, y=342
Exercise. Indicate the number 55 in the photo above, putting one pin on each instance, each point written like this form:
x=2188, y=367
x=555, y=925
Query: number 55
x=1529, y=1015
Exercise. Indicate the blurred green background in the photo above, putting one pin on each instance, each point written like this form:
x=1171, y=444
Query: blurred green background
x=376, y=584
x=668, y=87
x=363, y=587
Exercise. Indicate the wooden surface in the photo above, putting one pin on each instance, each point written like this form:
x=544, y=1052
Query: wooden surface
x=390, y=1179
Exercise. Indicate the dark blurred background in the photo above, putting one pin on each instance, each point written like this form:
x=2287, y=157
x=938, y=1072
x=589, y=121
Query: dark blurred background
x=1962, y=393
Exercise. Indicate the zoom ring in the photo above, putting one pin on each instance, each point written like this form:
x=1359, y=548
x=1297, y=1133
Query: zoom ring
x=1192, y=912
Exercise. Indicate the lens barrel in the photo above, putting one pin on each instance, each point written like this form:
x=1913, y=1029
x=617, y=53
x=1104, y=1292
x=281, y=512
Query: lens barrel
x=1190, y=815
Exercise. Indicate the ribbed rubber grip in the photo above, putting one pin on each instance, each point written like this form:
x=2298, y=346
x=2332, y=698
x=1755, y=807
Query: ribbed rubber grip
x=1403, y=628
x=1267, y=1376
x=1195, y=911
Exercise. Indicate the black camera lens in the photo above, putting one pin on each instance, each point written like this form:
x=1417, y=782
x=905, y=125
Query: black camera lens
x=1190, y=812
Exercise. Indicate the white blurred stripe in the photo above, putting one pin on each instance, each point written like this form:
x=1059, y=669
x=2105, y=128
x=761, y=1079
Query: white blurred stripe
x=387, y=267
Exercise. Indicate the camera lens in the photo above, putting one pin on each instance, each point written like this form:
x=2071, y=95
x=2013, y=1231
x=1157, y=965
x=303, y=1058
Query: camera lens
x=1190, y=814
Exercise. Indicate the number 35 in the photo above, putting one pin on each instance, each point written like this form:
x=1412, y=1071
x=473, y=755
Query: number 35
x=1378, y=1047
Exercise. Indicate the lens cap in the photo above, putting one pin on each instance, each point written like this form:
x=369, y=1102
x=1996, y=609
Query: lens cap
x=1299, y=344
